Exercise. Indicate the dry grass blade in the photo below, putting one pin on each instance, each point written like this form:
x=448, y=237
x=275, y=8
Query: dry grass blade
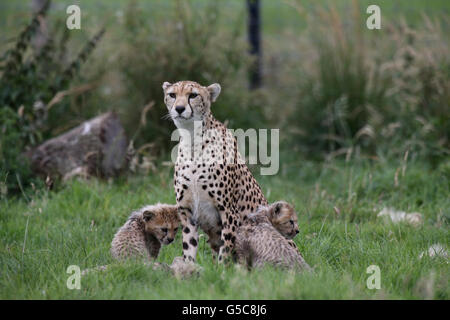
x=144, y=112
x=74, y=91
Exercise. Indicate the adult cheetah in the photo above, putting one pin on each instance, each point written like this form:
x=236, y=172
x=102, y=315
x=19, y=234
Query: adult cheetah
x=216, y=190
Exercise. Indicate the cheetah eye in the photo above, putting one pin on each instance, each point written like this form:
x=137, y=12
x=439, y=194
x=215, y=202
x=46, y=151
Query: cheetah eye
x=193, y=95
x=164, y=230
x=172, y=95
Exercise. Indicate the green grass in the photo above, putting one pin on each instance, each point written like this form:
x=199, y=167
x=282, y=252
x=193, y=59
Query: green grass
x=41, y=237
x=276, y=15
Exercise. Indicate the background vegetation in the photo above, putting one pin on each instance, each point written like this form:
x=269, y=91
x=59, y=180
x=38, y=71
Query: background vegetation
x=363, y=117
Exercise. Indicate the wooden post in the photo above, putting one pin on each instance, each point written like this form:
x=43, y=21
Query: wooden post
x=254, y=38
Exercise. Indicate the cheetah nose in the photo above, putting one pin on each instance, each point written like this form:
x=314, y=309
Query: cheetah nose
x=296, y=231
x=180, y=109
x=169, y=240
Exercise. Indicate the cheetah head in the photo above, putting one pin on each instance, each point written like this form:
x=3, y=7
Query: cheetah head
x=188, y=101
x=284, y=218
x=161, y=221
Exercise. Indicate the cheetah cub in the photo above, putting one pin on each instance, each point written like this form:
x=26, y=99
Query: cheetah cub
x=145, y=231
x=265, y=238
x=283, y=217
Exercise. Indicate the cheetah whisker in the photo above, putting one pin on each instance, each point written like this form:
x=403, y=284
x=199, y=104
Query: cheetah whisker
x=167, y=117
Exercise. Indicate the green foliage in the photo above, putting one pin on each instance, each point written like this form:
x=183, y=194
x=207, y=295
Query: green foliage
x=29, y=79
x=11, y=146
x=372, y=92
x=338, y=105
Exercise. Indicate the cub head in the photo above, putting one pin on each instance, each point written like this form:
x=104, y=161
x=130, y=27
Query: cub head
x=161, y=220
x=257, y=218
x=284, y=218
x=188, y=101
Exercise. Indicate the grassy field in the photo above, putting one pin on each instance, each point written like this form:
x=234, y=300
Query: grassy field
x=43, y=233
x=276, y=15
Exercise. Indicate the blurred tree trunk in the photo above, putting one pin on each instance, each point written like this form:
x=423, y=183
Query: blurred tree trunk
x=40, y=38
x=254, y=38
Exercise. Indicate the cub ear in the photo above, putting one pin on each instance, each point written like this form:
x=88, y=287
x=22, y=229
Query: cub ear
x=166, y=85
x=147, y=215
x=275, y=208
x=214, y=91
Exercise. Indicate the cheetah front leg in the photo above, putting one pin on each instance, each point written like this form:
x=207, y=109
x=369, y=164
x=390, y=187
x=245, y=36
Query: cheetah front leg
x=190, y=234
x=230, y=222
x=153, y=246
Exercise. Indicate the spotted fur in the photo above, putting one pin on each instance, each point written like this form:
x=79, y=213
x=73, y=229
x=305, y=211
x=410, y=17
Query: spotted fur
x=282, y=216
x=145, y=231
x=213, y=194
x=259, y=242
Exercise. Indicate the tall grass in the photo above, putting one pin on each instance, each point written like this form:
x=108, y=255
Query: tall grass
x=380, y=92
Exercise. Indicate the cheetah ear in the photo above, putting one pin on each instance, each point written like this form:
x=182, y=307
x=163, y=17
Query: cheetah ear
x=166, y=85
x=147, y=215
x=275, y=209
x=214, y=91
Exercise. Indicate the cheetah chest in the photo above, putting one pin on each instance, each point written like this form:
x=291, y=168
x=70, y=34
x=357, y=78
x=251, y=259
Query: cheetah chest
x=192, y=180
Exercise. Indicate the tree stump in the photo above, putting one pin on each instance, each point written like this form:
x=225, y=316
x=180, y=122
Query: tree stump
x=97, y=147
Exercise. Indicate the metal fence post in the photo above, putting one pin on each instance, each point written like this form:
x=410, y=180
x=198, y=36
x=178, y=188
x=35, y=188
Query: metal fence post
x=254, y=38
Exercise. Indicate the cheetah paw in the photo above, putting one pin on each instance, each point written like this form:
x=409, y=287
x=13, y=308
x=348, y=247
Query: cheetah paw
x=183, y=269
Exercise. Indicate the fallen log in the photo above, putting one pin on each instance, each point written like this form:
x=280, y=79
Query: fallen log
x=97, y=147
